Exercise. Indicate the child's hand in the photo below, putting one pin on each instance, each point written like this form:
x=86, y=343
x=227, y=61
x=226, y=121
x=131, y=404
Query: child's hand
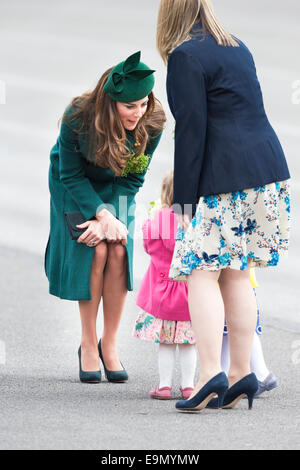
x=184, y=221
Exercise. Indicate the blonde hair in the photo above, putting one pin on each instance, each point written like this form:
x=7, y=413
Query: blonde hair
x=176, y=18
x=166, y=196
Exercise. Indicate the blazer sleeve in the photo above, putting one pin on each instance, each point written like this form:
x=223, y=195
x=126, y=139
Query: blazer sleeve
x=186, y=89
x=72, y=174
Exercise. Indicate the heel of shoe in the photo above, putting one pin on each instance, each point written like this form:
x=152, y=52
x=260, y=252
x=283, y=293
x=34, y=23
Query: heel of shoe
x=250, y=401
x=221, y=397
x=246, y=387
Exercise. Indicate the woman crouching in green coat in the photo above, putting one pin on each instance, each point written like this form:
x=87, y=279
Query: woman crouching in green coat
x=97, y=166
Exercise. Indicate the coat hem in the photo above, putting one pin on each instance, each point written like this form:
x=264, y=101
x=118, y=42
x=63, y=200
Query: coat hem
x=65, y=296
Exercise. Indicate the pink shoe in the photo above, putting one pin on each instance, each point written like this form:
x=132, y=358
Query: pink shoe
x=164, y=393
x=186, y=392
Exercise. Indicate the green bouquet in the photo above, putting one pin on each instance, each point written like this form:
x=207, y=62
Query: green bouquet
x=136, y=164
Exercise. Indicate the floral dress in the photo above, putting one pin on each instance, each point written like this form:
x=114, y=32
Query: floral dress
x=235, y=230
x=153, y=329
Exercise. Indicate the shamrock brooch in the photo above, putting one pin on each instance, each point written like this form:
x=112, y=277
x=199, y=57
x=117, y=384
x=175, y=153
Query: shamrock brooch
x=136, y=164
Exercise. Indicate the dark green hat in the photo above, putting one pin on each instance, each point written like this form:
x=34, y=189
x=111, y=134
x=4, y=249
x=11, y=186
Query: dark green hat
x=130, y=80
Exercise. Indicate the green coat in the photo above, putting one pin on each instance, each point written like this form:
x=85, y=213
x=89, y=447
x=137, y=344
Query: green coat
x=75, y=184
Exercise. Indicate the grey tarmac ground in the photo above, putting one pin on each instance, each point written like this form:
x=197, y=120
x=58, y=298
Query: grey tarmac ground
x=50, y=52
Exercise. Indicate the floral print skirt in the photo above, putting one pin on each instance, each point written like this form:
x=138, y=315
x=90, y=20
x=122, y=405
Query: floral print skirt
x=235, y=230
x=150, y=328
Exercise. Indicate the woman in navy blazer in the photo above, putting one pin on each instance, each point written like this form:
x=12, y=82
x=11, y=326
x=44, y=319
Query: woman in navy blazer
x=231, y=189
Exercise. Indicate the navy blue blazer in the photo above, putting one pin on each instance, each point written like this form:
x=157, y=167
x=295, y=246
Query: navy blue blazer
x=223, y=139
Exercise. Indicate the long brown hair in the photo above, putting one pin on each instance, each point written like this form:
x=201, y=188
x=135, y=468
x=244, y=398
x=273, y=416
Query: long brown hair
x=176, y=18
x=101, y=122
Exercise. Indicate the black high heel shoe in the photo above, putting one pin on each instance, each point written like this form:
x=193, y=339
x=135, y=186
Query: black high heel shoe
x=246, y=387
x=116, y=376
x=218, y=385
x=93, y=377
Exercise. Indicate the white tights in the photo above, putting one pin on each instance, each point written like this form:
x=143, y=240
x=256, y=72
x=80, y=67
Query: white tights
x=166, y=364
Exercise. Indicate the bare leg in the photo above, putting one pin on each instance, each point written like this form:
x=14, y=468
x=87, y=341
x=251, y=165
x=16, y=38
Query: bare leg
x=89, y=310
x=207, y=315
x=241, y=316
x=114, y=296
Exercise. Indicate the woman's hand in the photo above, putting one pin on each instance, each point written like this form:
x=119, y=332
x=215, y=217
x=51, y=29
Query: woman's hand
x=184, y=221
x=94, y=233
x=115, y=231
x=105, y=227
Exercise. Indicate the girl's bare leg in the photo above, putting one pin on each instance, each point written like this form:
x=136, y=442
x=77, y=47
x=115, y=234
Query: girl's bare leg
x=89, y=311
x=207, y=316
x=241, y=316
x=114, y=296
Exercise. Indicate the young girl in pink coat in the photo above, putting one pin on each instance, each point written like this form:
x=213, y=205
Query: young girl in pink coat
x=164, y=317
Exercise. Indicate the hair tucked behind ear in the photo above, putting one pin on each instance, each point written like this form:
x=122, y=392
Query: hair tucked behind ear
x=176, y=18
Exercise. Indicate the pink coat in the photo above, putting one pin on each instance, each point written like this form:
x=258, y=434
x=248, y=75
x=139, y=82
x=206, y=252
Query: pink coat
x=159, y=295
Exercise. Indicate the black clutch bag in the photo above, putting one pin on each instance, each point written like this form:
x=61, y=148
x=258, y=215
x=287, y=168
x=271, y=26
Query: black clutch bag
x=73, y=219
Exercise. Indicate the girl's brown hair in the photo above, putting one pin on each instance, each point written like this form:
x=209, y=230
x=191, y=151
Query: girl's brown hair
x=167, y=190
x=176, y=18
x=101, y=123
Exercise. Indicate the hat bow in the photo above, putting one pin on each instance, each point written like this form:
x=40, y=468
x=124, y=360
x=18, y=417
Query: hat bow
x=129, y=72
